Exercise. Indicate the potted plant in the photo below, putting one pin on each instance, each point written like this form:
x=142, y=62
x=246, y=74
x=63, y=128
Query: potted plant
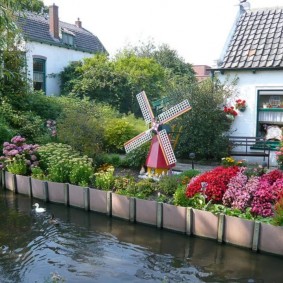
x=241, y=105
x=231, y=113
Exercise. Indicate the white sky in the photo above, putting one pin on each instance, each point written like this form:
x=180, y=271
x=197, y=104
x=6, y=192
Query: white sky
x=196, y=29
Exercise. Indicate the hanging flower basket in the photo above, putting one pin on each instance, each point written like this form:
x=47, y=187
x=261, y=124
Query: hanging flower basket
x=241, y=105
x=231, y=113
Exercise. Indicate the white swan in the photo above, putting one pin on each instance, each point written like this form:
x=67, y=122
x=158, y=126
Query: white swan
x=39, y=209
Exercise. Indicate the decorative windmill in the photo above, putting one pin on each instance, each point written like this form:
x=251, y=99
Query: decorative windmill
x=161, y=157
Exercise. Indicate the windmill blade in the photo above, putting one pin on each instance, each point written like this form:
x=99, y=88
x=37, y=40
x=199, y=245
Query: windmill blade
x=137, y=141
x=166, y=147
x=145, y=107
x=174, y=112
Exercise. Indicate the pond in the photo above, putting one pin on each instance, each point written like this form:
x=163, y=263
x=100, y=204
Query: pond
x=90, y=247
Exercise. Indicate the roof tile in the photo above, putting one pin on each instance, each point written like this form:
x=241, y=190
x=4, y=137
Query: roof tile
x=257, y=41
x=36, y=28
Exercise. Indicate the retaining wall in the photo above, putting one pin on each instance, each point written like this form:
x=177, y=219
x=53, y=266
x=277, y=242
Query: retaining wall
x=240, y=232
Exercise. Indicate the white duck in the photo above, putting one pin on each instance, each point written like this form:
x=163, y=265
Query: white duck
x=39, y=209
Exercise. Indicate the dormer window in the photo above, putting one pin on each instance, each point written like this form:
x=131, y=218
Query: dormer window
x=68, y=37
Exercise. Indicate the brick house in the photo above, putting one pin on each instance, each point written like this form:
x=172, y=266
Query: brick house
x=254, y=54
x=50, y=45
x=202, y=72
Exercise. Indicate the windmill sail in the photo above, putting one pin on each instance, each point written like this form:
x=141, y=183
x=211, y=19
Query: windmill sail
x=137, y=141
x=166, y=147
x=174, y=112
x=145, y=107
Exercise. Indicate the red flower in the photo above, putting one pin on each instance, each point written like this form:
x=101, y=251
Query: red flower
x=217, y=181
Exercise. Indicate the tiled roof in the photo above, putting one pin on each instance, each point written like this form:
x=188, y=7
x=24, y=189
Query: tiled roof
x=36, y=28
x=257, y=41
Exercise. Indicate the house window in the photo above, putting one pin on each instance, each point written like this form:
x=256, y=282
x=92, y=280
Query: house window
x=39, y=74
x=68, y=39
x=270, y=115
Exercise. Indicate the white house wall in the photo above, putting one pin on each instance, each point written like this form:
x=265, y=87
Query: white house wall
x=247, y=88
x=56, y=59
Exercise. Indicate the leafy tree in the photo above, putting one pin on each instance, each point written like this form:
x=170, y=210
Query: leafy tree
x=206, y=123
x=115, y=81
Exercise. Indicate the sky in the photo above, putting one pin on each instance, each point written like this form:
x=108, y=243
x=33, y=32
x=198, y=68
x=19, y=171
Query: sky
x=196, y=29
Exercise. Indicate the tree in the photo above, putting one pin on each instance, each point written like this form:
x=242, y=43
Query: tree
x=116, y=81
x=204, y=127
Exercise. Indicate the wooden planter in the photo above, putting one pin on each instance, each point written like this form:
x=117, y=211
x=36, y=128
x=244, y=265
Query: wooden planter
x=174, y=217
x=271, y=239
x=146, y=211
x=57, y=192
x=10, y=181
x=98, y=200
x=79, y=196
x=205, y=224
x=238, y=231
x=23, y=185
x=39, y=189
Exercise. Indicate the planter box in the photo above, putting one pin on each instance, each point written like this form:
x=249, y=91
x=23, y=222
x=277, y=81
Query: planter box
x=39, y=189
x=76, y=196
x=205, y=224
x=23, y=185
x=271, y=239
x=121, y=206
x=98, y=200
x=174, y=217
x=56, y=192
x=9, y=181
x=238, y=231
x=146, y=211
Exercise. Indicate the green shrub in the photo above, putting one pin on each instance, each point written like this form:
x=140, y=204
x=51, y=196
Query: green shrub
x=137, y=157
x=107, y=158
x=61, y=163
x=104, y=178
x=169, y=184
x=37, y=173
x=17, y=165
x=180, y=198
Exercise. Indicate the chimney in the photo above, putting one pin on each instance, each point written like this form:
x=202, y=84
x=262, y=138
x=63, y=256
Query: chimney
x=245, y=6
x=54, y=21
x=78, y=23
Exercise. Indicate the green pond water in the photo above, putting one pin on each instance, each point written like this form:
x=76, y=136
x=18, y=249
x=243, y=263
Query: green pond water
x=90, y=247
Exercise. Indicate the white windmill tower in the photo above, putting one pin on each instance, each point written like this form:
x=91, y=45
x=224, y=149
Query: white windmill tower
x=161, y=157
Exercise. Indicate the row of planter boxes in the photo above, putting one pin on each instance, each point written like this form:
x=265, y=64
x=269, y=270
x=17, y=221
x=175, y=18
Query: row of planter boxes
x=241, y=232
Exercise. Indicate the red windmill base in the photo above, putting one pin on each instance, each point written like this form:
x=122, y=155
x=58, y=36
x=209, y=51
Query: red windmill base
x=156, y=162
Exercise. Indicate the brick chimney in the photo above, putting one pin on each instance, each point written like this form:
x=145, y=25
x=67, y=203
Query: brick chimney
x=54, y=21
x=78, y=23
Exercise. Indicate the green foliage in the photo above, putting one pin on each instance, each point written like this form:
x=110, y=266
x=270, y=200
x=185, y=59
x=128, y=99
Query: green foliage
x=180, y=198
x=82, y=171
x=115, y=81
x=142, y=189
x=108, y=158
x=17, y=165
x=198, y=201
x=6, y=133
x=119, y=130
x=169, y=184
x=205, y=124
x=38, y=173
x=25, y=123
x=137, y=157
x=61, y=163
x=104, y=178
x=80, y=125
x=278, y=215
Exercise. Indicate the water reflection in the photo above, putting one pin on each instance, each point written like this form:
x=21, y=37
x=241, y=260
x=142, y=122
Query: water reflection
x=89, y=247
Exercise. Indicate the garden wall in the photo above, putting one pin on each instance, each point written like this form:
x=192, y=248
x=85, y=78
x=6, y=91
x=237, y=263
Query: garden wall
x=240, y=232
